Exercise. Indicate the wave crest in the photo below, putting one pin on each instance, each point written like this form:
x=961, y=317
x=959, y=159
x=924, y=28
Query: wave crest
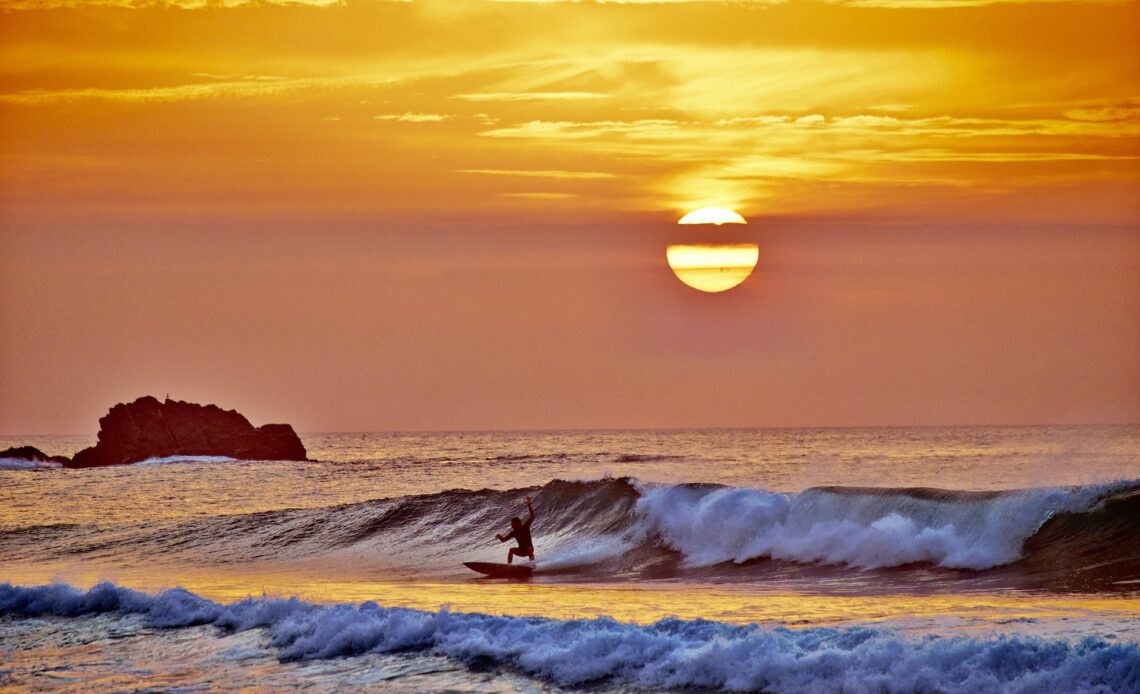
x=22, y=464
x=622, y=529
x=671, y=653
x=867, y=529
x=168, y=459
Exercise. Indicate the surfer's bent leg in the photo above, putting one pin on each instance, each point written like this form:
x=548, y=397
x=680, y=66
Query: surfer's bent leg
x=528, y=552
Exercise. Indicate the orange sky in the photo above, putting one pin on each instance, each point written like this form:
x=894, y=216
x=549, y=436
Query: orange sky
x=453, y=214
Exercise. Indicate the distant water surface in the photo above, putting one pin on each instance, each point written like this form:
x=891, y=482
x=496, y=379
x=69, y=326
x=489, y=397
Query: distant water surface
x=365, y=466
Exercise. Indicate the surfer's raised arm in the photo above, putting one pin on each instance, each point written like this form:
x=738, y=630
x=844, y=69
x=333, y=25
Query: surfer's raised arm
x=520, y=532
x=530, y=518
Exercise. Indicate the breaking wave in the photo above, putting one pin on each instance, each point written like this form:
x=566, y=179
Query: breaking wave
x=671, y=653
x=22, y=464
x=164, y=460
x=862, y=528
x=622, y=529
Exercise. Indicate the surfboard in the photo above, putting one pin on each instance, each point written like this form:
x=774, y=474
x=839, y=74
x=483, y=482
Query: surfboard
x=500, y=570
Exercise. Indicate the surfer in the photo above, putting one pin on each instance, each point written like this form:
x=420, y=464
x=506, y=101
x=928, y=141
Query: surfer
x=520, y=532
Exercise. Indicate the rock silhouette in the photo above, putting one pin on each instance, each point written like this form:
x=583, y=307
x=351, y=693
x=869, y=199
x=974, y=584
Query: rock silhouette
x=147, y=428
x=33, y=454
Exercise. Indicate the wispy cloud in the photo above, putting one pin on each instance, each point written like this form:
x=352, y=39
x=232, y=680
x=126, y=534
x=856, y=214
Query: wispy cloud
x=413, y=117
x=585, y=129
x=901, y=4
x=1105, y=114
x=182, y=92
x=732, y=161
x=948, y=4
x=151, y=4
x=545, y=173
x=232, y=4
x=255, y=86
x=531, y=96
x=1103, y=123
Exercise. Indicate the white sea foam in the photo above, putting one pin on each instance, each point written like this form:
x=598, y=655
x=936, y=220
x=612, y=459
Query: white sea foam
x=166, y=460
x=580, y=553
x=669, y=654
x=865, y=530
x=21, y=464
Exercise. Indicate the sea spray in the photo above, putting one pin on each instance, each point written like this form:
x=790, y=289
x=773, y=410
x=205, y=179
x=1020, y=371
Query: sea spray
x=863, y=528
x=671, y=653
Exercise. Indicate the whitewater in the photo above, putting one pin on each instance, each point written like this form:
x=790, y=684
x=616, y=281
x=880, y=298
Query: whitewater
x=924, y=559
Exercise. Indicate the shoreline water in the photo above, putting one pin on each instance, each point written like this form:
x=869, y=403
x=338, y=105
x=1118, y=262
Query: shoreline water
x=667, y=654
x=978, y=612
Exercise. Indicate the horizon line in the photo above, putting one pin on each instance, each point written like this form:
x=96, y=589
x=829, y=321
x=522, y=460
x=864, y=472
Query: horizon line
x=552, y=430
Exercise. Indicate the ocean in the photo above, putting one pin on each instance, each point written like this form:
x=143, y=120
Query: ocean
x=952, y=559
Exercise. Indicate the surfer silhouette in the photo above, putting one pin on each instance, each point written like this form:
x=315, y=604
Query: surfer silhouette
x=520, y=532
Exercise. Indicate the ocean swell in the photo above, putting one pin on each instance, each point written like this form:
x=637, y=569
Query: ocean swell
x=863, y=528
x=22, y=464
x=622, y=529
x=168, y=459
x=671, y=653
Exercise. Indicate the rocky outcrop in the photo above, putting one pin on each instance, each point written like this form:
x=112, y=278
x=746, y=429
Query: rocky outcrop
x=147, y=428
x=33, y=454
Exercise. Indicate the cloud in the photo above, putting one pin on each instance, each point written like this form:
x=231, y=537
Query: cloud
x=950, y=4
x=681, y=104
x=257, y=86
x=151, y=4
x=948, y=155
x=897, y=4
x=434, y=8
x=547, y=173
x=531, y=96
x=798, y=132
x=1104, y=113
x=585, y=129
x=182, y=92
x=754, y=120
x=414, y=117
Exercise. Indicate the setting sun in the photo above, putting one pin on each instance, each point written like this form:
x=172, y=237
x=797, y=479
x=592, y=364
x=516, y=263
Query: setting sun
x=712, y=268
x=712, y=215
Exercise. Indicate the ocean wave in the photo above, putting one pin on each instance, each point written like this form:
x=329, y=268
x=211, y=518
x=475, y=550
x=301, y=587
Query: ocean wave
x=584, y=457
x=622, y=529
x=671, y=654
x=862, y=528
x=644, y=458
x=21, y=464
x=168, y=459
